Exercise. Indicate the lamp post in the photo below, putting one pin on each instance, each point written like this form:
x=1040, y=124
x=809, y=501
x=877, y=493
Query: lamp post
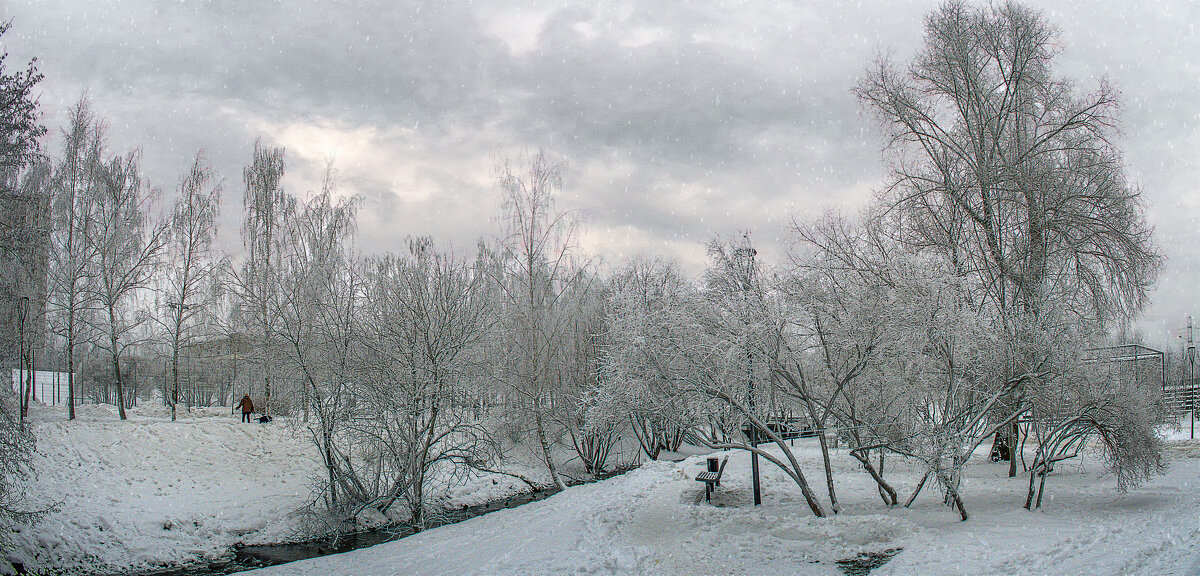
x=22, y=387
x=1191, y=352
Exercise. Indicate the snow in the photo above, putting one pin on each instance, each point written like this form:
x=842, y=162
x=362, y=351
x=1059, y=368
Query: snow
x=653, y=520
x=148, y=492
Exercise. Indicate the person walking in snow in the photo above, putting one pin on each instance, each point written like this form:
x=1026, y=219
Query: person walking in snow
x=247, y=407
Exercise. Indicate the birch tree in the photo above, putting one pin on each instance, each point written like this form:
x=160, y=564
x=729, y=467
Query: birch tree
x=75, y=184
x=193, y=263
x=314, y=315
x=127, y=242
x=267, y=210
x=537, y=272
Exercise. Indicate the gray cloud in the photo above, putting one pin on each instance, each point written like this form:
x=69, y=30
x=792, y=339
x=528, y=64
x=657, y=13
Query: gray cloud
x=677, y=120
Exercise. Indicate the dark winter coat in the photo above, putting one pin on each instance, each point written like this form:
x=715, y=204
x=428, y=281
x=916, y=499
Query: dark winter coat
x=247, y=405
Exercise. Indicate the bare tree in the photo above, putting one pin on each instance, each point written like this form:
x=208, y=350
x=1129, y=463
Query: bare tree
x=699, y=355
x=76, y=181
x=126, y=243
x=424, y=317
x=1003, y=168
x=639, y=291
x=193, y=263
x=537, y=272
x=267, y=211
x=314, y=315
x=593, y=431
x=1012, y=175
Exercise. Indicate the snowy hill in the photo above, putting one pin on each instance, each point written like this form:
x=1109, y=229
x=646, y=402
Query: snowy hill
x=149, y=491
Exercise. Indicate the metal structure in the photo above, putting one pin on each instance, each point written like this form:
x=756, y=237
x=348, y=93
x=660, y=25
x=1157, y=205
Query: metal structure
x=1137, y=353
x=1130, y=353
x=745, y=255
x=1191, y=355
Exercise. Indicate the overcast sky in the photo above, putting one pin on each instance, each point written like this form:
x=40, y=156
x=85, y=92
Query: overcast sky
x=676, y=120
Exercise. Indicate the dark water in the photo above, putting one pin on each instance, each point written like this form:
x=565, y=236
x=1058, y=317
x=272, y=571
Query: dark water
x=865, y=562
x=251, y=557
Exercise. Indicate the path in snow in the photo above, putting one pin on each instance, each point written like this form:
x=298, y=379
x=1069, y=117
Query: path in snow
x=654, y=521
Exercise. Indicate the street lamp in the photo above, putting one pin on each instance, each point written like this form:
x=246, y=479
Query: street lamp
x=22, y=390
x=1191, y=352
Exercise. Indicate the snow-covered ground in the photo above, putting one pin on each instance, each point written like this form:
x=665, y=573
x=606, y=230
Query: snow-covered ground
x=654, y=521
x=149, y=492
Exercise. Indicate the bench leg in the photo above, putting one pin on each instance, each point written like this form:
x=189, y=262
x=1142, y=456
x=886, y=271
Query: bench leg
x=707, y=492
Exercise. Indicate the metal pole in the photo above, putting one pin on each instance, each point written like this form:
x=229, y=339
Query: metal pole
x=22, y=310
x=1191, y=351
x=1192, y=388
x=747, y=255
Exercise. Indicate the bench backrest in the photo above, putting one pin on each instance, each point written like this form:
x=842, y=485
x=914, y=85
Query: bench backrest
x=721, y=470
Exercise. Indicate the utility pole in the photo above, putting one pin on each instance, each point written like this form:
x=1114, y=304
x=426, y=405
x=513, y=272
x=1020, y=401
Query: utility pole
x=746, y=255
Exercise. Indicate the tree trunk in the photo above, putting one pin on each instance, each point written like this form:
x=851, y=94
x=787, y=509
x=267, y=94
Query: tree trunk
x=833, y=500
x=1013, y=448
x=116, y=364
x=541, y=432
x=70, y=380
x=174, y=380
x=917, y=490
x=887, y=492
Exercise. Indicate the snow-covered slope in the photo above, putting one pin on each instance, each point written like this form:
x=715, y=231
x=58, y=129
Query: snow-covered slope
x=149, y=491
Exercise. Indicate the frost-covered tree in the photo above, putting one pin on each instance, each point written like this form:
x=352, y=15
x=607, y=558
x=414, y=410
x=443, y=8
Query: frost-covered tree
x=20, y=119
x=593, y=430
x=313, y=310
x=192, y=262
x=424, y=316
x=698, y=354
x=833, y=326
x=1009, y=173
x=536, y=273
x=76, y=180
x=267, y=211
x=24, y=199
x=633, y=387
x=126, y=241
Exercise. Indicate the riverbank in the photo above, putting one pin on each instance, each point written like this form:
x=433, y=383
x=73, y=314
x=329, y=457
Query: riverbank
x=147, y=493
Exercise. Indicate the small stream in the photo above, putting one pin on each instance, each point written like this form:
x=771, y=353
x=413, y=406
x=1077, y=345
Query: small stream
x=251, y=557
